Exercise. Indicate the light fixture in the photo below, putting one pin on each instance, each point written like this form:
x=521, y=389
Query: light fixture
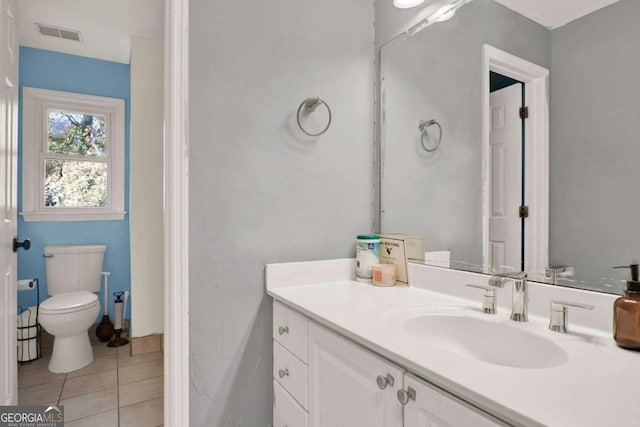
x=406, y=4
x=444, y=13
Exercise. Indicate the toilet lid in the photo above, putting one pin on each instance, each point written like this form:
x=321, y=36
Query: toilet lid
x=69, y=302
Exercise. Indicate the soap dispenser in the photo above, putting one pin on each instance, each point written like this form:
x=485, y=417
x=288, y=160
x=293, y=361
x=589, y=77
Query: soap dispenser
x=626, y=313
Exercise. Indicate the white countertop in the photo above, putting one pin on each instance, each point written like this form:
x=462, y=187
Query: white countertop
x=597, y=386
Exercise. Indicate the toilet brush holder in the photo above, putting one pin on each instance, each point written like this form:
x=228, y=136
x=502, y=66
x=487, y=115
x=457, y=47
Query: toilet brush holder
x=118, y=341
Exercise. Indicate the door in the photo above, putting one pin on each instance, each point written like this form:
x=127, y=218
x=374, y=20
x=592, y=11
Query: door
x=431, y=407
x=350, y=386
x=505, y=174
x=8, y=189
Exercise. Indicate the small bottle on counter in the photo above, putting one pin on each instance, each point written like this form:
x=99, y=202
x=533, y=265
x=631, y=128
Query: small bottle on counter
x=367, y=255
x=626, y=313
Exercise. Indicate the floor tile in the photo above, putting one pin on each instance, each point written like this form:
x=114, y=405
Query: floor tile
x=37, y=376
x=104, y=419
x=143, y=414
x=40, y=394
x=124, y=350
x=101, y=350
x=89, y=404
x=91, y=395
x=126, y=360
x=133, y=373
x=99, y=364
x=89, y=383
x=140, y=391
x=43, y=362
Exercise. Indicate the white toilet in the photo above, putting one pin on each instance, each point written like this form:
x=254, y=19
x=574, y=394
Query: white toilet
x=73, y=274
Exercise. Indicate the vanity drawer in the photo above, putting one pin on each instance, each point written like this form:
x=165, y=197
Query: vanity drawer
x=286, y=411
x=290, y=330
x=291, y=373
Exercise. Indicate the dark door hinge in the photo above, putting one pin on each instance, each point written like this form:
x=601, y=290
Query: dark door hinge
x=524, y=113
x=524, y=211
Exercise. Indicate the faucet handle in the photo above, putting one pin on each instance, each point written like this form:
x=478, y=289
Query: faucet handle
x=497, y=281
x=488, y=298
x=558, y=315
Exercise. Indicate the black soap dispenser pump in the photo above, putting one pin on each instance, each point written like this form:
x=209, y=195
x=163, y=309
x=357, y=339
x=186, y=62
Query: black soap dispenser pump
x=626, y=313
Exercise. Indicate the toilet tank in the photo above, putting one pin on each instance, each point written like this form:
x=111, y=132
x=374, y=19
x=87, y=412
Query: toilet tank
x=74, y=268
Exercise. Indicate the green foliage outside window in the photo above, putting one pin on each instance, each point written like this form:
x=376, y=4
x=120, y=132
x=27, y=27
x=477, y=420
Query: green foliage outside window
x=82, y=182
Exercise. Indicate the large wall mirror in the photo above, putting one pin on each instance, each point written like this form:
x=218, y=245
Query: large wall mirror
x=510, y=138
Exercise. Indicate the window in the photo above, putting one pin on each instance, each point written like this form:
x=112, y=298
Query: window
x=73, y=157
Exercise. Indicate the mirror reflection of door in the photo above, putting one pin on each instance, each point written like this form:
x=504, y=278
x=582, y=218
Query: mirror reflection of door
x=506, y=167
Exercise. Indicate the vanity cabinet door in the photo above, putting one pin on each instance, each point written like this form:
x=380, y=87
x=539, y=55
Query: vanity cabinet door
x=350, y=386
x=428, y=406
x=286, y=411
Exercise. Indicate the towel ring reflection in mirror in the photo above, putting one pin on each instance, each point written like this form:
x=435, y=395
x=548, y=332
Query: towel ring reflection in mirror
x=423, y=127
x=310, y=105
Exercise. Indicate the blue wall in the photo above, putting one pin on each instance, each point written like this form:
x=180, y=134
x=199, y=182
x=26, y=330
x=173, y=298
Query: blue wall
x=51, y=70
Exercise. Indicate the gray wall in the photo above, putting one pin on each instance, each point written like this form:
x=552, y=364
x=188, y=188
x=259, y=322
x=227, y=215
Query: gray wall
x=260, y=193
x=437, y=73
x=594, y=153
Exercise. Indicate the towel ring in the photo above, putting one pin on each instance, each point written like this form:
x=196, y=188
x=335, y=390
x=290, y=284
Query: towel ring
x=423, y=127
x=311, y=104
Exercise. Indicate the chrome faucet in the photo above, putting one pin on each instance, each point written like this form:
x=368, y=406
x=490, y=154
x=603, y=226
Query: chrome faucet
x=520, y=297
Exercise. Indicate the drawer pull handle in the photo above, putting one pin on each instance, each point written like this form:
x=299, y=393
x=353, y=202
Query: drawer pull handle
x=405, y=396
x=283, y=330
x=383, y=381
x=283, y=373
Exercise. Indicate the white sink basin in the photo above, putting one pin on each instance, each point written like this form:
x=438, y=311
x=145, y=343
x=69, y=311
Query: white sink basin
x=487, y=340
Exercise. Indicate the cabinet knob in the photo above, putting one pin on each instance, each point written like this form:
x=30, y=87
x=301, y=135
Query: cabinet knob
x=283, y=373
x=405, y=396
x=384, y=381
x=283, y=330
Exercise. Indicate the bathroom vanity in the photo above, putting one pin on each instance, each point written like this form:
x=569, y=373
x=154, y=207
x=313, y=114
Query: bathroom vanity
x=351, y=354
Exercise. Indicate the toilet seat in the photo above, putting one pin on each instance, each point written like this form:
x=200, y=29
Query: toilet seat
x=70, y=302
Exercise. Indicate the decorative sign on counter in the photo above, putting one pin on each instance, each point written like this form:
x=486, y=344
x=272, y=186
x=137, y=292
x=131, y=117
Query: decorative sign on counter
x=393, y=250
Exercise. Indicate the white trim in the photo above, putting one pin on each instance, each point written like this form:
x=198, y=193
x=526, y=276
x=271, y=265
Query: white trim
x=72, y=216
x=35, y=105
x=536, y=80
x=176, y=214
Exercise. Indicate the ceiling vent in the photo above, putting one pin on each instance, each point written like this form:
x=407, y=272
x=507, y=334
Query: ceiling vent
x=61, y=33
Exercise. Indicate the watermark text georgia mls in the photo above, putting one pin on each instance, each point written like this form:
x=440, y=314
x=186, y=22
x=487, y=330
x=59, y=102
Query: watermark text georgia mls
x=31, y=416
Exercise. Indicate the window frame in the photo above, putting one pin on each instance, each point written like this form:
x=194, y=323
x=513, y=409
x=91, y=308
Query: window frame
x=36, y=105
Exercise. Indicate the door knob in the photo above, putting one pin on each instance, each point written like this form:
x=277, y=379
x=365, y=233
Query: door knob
x=25, y=244
x=405, y=396
x=383, y=381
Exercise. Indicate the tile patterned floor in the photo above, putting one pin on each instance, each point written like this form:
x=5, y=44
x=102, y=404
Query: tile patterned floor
x=115, y=390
